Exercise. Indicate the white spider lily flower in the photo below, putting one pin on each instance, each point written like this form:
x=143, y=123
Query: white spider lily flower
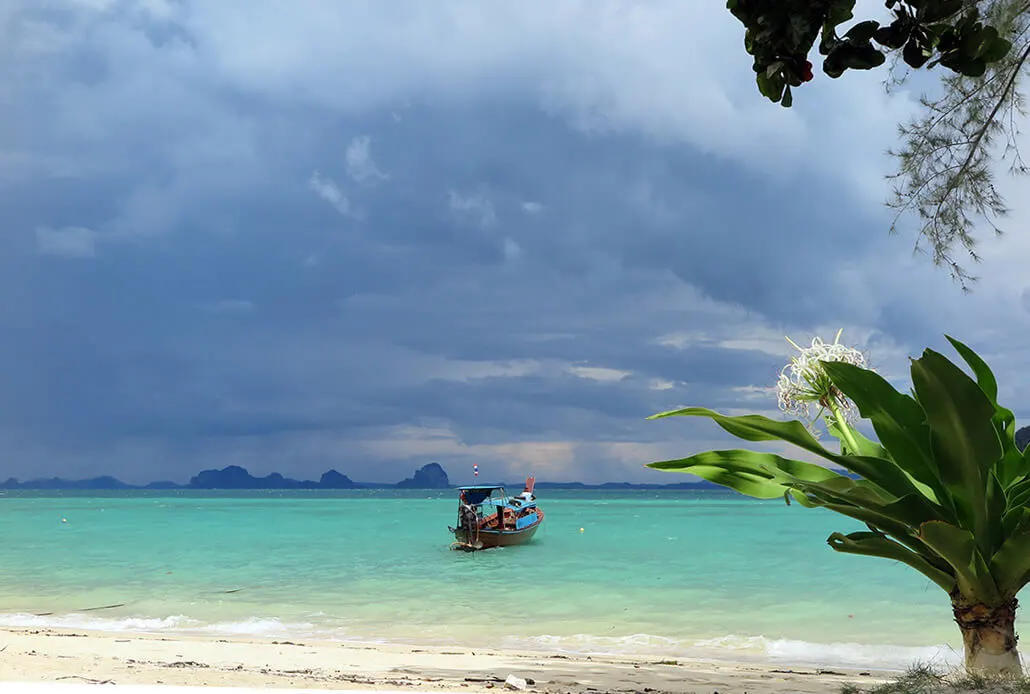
x=803, y=382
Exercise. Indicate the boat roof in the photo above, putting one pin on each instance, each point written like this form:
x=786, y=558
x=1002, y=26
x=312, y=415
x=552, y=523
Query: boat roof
x=477, y=494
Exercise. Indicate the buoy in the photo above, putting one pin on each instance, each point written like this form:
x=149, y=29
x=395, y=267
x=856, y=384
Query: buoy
x=64, y=520
x=581, y=530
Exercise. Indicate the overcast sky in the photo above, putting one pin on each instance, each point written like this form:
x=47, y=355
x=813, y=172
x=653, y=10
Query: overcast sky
x=371, y=234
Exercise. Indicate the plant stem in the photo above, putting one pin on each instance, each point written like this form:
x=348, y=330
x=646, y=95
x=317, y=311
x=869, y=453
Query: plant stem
x=843, y=427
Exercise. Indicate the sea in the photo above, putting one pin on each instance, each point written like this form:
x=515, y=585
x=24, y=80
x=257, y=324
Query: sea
x=660, y=574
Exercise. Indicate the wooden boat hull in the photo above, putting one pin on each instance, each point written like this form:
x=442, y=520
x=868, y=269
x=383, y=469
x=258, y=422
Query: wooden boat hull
x=488, y=539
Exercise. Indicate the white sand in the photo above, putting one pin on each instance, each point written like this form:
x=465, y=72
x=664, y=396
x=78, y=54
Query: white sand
x=66, y=657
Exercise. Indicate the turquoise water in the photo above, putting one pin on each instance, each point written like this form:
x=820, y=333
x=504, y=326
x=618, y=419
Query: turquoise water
x=683, y=574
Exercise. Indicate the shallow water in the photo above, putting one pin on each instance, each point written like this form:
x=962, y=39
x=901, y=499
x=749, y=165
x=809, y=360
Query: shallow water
x=681, y=574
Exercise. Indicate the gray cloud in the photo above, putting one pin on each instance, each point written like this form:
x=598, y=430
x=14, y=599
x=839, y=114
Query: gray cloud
x=360, y=165
x=70, y=242
x=366, y=236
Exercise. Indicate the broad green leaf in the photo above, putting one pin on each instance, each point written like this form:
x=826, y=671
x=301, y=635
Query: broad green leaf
x=984, y=376
x=840, y=11
x=1010, y=565
x=995, y=50
x=874, y=545
x=882, y=472
x=916, y=53
x=843, y=490
x=964, y=442
x=886, y=522
x=788, y=97
x=1016, y=521
x=864, y=57
x=897, y=419
x=1018, y=496
x=755, y=427
x=883, y=465
x=804, y=500
x=771, y=86
x=892, y=36
x=875, y=463
x=1010, y=465
x=749, y=484
x=863, y=31
x=898, y=516
x=944, y=490
x=882, y=522
x=798, y=469
x=997, y=503
x=914, y=510
x=772, y=469
x=958, y=547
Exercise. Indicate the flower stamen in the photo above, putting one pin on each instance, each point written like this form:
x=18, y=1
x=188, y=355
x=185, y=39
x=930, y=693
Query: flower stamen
x=803, y=382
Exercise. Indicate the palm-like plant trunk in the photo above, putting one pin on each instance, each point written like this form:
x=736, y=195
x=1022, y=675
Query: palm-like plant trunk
x=989, y=636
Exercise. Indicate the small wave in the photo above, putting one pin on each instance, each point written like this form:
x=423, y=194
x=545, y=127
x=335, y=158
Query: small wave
x=175, y=623
x=750, y=649
x=609, y=645
x=724, y=648
x=257, y=627
x=81, y=621
x=854, y=655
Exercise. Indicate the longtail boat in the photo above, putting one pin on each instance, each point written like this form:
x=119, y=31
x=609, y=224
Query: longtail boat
x=488, y=517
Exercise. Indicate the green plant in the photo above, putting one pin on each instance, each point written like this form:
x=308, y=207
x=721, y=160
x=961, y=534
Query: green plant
x=963, y=133
x=944, y=490
x=780, y=34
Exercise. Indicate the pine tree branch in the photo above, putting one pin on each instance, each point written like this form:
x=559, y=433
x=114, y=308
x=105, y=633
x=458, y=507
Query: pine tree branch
x=978, y=139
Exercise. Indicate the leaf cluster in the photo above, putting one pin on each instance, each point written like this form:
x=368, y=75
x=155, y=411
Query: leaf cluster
x=944, y=490
x=780, y=35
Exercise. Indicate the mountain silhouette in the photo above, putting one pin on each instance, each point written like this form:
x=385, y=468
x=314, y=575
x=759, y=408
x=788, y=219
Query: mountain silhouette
x=1023, y=438
x=431, y=476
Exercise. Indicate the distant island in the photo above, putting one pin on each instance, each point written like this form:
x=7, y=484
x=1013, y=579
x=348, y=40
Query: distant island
x=1023, y=438
x=431, y=476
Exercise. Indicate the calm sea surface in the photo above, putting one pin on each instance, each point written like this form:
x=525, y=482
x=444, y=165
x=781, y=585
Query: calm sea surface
x=680, y=574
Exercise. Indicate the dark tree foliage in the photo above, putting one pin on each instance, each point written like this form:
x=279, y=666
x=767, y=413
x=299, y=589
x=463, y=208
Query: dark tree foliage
x=946, y=161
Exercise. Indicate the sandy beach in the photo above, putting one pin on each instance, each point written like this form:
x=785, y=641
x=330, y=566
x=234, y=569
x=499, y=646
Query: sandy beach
x=67, y=656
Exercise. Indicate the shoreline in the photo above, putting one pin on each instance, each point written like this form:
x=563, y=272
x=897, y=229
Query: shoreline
x=744, y=650
x=44, y=655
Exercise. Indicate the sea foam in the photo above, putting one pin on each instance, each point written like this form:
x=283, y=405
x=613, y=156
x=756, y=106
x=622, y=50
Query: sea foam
x=174, y=623
x=749, y=649
x=727, y=648
x=82, y=621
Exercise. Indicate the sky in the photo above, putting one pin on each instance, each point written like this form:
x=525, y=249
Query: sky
x=374, y=234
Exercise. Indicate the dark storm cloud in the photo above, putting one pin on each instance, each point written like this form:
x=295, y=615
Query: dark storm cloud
x=300, y=243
